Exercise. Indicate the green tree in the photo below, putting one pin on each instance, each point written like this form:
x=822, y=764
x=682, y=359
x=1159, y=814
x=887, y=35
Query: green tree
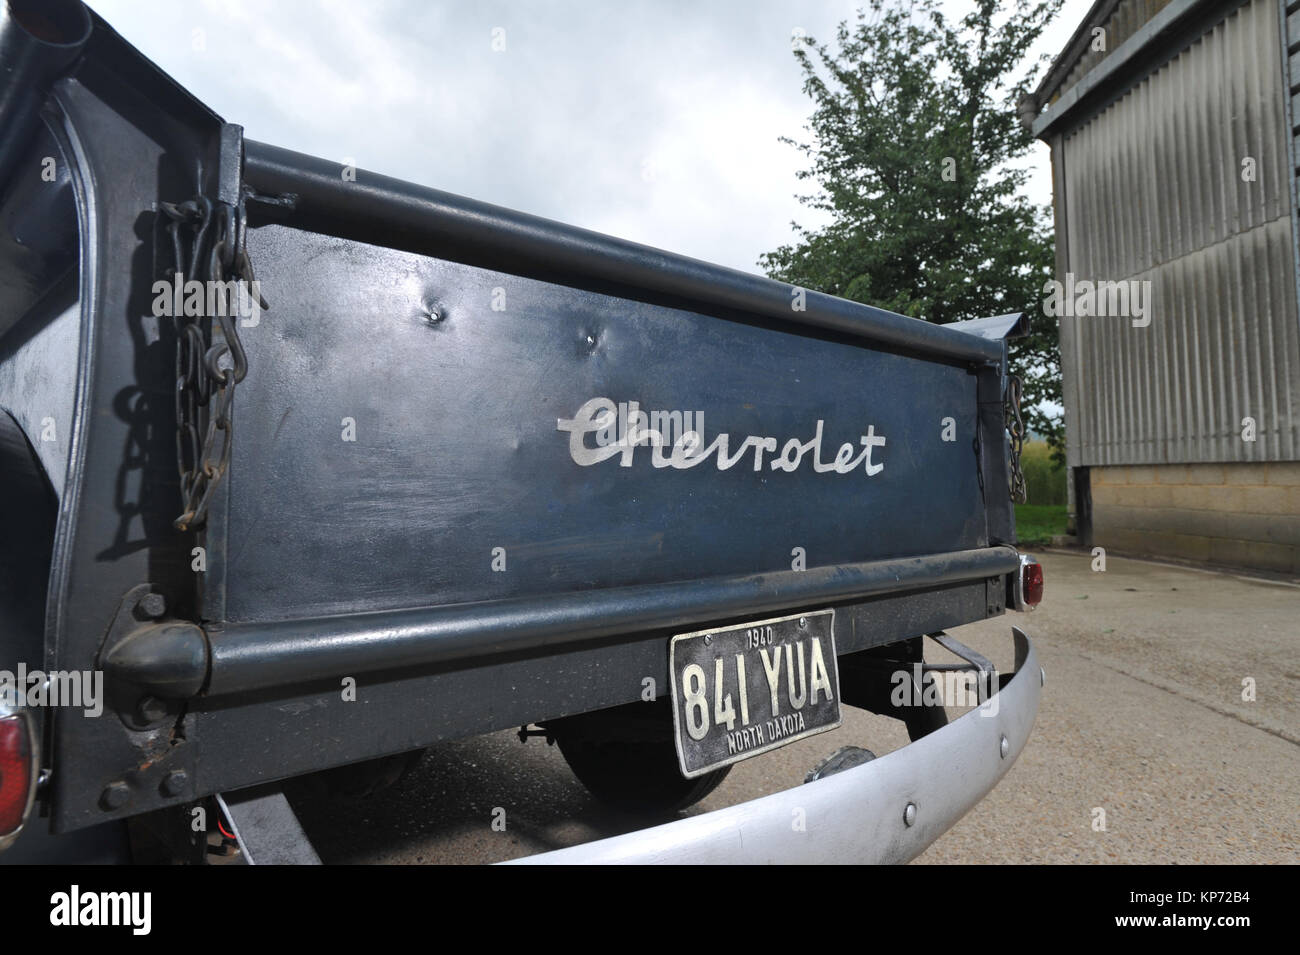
x=914, y=142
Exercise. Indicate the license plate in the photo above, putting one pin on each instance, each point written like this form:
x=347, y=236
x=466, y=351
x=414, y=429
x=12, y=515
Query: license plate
x=748, y=689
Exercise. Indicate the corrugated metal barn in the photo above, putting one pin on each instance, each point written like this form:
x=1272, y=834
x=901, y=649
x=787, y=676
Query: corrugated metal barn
x=1172, y=132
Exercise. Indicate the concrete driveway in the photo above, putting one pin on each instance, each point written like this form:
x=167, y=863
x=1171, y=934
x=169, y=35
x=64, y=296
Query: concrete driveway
x=1144, y=751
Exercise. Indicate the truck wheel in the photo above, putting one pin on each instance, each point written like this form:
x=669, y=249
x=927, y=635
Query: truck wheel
x=627, y=759
x=637, y=777
x=359, y=780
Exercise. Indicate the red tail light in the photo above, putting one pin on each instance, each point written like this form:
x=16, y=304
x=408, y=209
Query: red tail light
x=1033, y=583
x=17, y=773
x=1027, y=585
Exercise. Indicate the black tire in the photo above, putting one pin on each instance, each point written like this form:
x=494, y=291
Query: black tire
x=627, y=759
x=359, y=780
x=637, y=777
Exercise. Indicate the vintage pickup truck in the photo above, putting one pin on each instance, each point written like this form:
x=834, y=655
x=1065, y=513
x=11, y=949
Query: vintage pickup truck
x=305, y=469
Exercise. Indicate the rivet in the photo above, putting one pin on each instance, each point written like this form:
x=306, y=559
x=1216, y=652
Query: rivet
x=803, y=623
x=909, y=815
x=151, y=606
x=1042, y=677
x=432, y=313
x=114, y=796
x=173, y=783
x=1005, y=747
x=708, y=639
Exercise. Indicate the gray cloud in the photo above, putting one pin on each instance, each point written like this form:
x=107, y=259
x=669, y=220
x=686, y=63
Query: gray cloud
x=656, y=122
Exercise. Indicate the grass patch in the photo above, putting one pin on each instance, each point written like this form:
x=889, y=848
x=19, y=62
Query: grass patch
x=1044, y=481
x=1039, y=523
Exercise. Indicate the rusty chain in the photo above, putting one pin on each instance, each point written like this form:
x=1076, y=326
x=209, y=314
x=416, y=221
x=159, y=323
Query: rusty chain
x=1016, y=431
x=210, y=359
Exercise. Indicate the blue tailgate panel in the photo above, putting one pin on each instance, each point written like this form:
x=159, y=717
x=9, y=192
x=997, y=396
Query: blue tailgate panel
x=460, y=483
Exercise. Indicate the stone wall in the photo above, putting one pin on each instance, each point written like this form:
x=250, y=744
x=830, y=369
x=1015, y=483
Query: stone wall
x=1247, y=515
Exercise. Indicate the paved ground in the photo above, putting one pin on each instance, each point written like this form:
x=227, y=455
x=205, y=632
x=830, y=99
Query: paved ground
x=1142, y=717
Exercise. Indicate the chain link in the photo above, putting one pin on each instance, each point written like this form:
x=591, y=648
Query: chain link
x=1016, y=431
x=208, y=246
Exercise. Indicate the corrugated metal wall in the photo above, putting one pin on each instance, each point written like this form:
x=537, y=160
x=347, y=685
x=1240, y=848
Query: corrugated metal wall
x=1154, y=192
x=1127, y=17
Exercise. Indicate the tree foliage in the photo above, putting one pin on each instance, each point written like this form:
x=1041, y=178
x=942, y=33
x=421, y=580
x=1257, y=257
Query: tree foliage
x=915, y=138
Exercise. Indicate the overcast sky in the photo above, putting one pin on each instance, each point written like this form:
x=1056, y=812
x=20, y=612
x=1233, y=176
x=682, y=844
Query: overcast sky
x=652, y=121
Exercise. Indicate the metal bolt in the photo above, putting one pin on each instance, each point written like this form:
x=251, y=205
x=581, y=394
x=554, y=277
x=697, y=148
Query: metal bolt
x=151, y=606
x=432, y=313
x=591, y=341
x=708, y=639
x=1042, y=677
x=114, y=796
x=803, y=623
x=909, y=815
x=150, y=709
x=1005, y=747
x=173, y=783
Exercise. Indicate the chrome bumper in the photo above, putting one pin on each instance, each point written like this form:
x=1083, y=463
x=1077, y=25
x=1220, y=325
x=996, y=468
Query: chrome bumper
x=885, y=811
